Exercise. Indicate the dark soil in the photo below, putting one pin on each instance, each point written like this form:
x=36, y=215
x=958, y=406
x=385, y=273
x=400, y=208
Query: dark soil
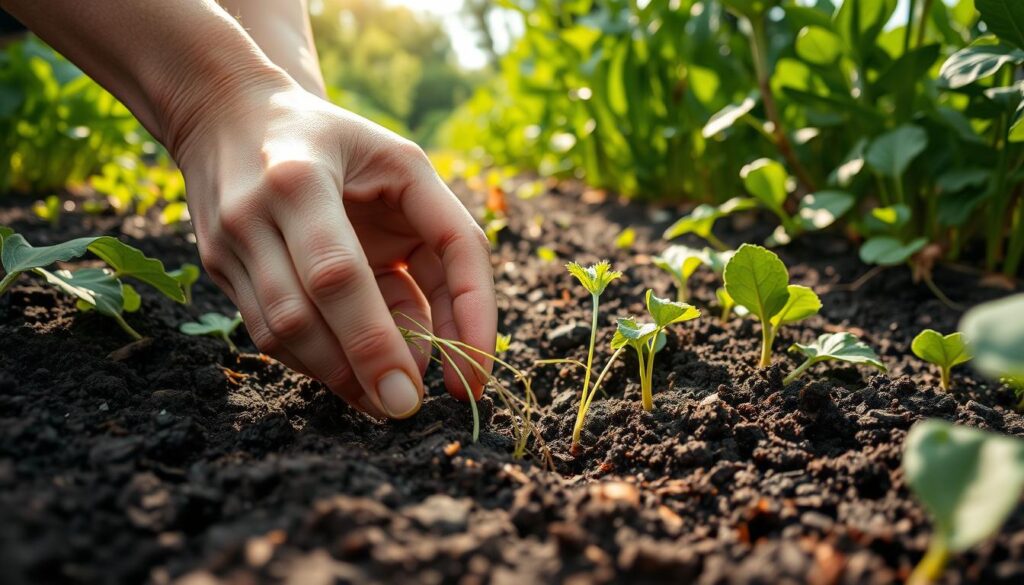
x=180, y=462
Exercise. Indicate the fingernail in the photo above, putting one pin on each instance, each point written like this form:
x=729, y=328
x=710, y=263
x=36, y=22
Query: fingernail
x=398, y=394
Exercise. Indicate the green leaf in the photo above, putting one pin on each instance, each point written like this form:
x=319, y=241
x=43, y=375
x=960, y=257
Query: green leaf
x=18, y=255
x=187, y=275
x=859, y=23
x=802, y=303
x=717, y=260
x=818, y=45
x=944, y=351
x=820, y=210
x=212, y=324
x=843, y=347
x=132, y=300
x=666, y=312
x=702, y=219
x=969, y=480
x=891, y=153
x=594, y=278
x=889, y=251
x=981, y=59
x=129, y=261
x=629, y=332
x=757, y=279
x=97, y=287
x=1005, y=18
x=727, y=116
x=996, y=332
x=765, y=179
x=625, y=239
x=887, y=220
x=680, y=261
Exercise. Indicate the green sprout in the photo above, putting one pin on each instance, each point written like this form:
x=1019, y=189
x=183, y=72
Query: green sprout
x=680, y=262
x=644, y=338
x=842, y=347
x=757, y=280
x=214, y=325
x=595, y=279
x=968, y=480
x=944, y=351
x=701, y=221
x=187, y=275
x=97, y=289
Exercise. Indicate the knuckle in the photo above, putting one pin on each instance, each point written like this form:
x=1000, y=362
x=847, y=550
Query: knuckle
x=287, y=318
x=338, y=377
x=332, y=270
x=291, y=177
x=410, y=153
x=371, y=343
x=264, y=340
x=237, y=219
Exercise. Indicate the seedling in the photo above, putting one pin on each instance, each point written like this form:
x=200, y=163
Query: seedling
x=701, y=221
x=186, y=276
x=595, y=279
x=842, y=347
x=757, y=279
x=214, y=325
x=643, y=338
x=944, y=351
x=680, y=262
x=97, y=289
x=968, y=480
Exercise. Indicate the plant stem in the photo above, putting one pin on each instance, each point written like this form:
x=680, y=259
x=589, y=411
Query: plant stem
x=997, y=209
x=797, y=372
x=767, y=337
x=7, y=281
x=581, y=413
x=932, y=564
x=643, y=375
x=647, y=390
x=128, y=328
x=910, y=26
x=716, y=243
x=231, y=344
x=944, y=376
x=681, y=291
x=924, y=22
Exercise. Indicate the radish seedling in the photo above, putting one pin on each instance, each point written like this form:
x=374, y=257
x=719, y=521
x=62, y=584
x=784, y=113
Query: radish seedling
x=701, y=221
x=643, y=338
x=214, y=325
x=680, y=262
x=97, y=289
x=595, y=279
x=843, y=347
x=944, y=351
x=967, y=479
x=757, y=279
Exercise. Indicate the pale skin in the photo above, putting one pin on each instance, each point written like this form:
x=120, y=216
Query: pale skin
x=318, y=224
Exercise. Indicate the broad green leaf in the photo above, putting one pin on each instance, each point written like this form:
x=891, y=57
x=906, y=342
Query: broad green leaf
x=818, y=45
x=802, y=303
x=212, y=324
x=765, y=179
x=757, y=279
x=727, y=116
x=18, y=255
x=594, y=278
x=702, y=219
x=131, y=262
x=95, y=286
x=629, y=332
x=996, y=332
x=960, y=179
x=843, y=347
x=891, y=153
x=981, y=59
x=820, y=210
x=902, y=75
x=1005, y=18
x=944, y=351
x=680, y=261
x=889, y=251
x=666, y=312
x=969, y=480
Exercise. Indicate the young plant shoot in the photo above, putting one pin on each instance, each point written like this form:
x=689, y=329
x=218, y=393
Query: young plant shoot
x=680, y=262
x=595, y=279
x=944, y=351
x=97, y=289
x=187, y=275
x=644, y=338
x=842, y=347
x=967, y=479
x=214, y=325
x=757, y=280
x=701, y=221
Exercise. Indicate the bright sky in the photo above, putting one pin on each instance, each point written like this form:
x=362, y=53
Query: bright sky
x=463, y=39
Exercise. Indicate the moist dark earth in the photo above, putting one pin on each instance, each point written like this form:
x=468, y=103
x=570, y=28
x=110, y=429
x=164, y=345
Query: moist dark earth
x=179, y=462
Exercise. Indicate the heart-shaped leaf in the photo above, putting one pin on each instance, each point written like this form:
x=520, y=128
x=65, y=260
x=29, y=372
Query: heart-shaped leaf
x=702, y=219
x=944, y=351
x=757, y=279
x=214, y=325
x=802, y=303
x=969, y=480
x=18, y=255
x=765, y=179
x=666, y=312
x=843, y=347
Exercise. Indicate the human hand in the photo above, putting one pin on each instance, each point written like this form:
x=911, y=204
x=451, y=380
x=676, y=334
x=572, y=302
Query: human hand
x=319, y=224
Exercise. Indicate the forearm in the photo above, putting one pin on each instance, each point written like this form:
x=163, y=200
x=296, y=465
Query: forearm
x=282, y=29
x=167, y=61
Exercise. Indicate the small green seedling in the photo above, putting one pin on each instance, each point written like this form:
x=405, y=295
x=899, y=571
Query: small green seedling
x=944, y=351
x=49, y=210
x=842, y=347
x=757, y=280
x=968, y=480
x=626, y=238
x=644, y=338
x=97, y=289
x=595, y=279
x=701, y=221
x=680, y=262
x=214, y=325
x=996, y=331
x=186, y=276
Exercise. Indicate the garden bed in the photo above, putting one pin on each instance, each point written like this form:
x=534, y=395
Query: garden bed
x=178, y=461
